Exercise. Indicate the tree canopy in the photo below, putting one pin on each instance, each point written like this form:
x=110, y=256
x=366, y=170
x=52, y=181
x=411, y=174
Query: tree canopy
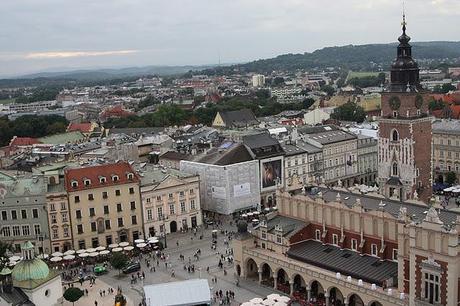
x=119, y=260
x=73, y=294
x=349, y=112
x=445, y=88
x=31, y=126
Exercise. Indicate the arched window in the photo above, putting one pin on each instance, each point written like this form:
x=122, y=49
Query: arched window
x=394, y=135
x=395, y=169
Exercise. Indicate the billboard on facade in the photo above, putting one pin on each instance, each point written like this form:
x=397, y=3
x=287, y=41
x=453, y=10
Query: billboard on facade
x=241, y=190
x=271, y=173
x=218, y=192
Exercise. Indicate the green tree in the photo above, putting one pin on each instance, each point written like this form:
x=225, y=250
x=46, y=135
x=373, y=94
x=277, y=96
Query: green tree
x=435, y=105
x=4, y=247
x=328, y=89
x=56, y=128
x=73, y=294
x=451, y=177
x=349, y=112
x=119, y=260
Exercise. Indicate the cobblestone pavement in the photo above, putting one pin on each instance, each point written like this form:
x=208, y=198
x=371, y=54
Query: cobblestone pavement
x=209, y=258
x=94, y=295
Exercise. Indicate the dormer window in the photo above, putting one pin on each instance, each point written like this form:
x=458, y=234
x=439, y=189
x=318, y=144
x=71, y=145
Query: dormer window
x=74, y=184
x=130, y=176
x=87, y=182
x=115, y=178
x=102, y=180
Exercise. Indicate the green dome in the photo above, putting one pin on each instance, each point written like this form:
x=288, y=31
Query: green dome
x=33, y=269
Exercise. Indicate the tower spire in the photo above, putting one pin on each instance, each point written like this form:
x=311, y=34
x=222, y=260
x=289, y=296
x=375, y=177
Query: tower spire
x=403, y=23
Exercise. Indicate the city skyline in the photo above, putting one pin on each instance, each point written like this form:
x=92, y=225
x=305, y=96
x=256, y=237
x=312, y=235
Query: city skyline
x=50, y=36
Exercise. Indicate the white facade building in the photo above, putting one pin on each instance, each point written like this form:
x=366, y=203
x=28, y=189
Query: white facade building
x=228, y=188
x=258, y=80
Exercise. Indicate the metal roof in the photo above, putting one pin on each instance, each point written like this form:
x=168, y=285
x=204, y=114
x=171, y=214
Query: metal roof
x=189, y=292
x=349, y=263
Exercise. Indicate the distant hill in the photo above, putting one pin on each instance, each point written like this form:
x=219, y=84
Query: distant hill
x=102, y=74
x=360, y=57
x=96, y=76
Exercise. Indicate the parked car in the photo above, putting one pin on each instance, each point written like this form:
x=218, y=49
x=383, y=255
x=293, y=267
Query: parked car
x=132, y=267
x=99, y=269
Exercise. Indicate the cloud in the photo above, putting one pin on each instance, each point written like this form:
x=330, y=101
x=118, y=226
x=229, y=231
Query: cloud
x=67, y=54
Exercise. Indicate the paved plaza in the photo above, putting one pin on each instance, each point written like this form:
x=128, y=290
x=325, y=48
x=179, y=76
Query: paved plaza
x=187, y=247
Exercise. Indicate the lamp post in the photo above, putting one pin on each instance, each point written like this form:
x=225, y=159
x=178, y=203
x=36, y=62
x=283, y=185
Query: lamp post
x=164, y=231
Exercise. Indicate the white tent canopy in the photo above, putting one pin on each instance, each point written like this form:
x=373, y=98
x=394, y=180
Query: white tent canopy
x=192, y=292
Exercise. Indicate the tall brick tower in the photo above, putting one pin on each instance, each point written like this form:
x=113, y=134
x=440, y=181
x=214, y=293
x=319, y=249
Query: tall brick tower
x=404, y=170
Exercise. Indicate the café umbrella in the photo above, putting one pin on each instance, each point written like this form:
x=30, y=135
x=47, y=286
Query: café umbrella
x=69, y=252
x=56, y=259
x=83, y=255
x=128, y=248
x=57, y=254
x=100, y=248
x=123, y=244
x=81, y=251
x=113, y=245
x=69, y=257
x=104, y=252
x=117, y=250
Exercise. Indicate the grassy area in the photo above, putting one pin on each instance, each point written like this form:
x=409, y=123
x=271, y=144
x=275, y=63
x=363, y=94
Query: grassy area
x=7, y=101
x=361, y=74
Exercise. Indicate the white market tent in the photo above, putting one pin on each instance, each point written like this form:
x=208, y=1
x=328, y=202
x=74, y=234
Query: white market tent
x=192, y=292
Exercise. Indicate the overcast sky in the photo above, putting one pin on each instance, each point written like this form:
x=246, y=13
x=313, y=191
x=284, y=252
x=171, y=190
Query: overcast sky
x=37, y=35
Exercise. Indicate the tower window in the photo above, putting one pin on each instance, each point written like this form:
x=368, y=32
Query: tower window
x=395, y=169
x=394, y=135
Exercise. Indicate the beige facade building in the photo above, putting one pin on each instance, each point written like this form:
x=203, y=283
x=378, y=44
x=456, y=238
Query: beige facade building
x=170, y=200
x=340, y=152
x=446, y=149
x=59, y=218
x=336, y=246
x=105, y=204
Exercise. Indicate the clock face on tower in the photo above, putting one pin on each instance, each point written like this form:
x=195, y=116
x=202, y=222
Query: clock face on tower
x=418, y=101
x=395, y=103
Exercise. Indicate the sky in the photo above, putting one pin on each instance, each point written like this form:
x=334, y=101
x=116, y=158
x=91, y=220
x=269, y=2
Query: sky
x=56, y=35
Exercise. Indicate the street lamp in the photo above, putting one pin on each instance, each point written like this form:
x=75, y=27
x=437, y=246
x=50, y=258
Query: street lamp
x=164, y=231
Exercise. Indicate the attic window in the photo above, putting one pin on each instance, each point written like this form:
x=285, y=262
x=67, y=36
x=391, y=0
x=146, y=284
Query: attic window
x=130, y=176
x=87, y=182
x=115, y=178
x=74, y=184
x=102, y=180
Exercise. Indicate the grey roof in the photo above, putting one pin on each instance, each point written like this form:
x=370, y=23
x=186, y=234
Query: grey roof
x=227, y=154
x=238, y=118
x=417, y=212
x=348, y=263
x=188, y=292
x=173, y=155
x=259, y=141
x=15, y=297
x=309, y=148
x=446, y=126
x=290, y=226
x=326, y=134
x=292, y=149
x=136, y=131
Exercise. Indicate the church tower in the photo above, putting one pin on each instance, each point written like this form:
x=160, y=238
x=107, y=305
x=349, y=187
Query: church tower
x=404, y=170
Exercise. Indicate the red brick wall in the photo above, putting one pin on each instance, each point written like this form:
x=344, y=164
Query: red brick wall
x=308, y=232
x=407, y=104
x=422, y=149
x=406, y=276
x=419, y=279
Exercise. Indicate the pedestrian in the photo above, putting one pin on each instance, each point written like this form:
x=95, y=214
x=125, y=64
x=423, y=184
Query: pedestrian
x=95, y=303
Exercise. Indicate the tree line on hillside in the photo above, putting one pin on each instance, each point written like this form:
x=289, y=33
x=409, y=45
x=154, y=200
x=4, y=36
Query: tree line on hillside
x=368, y=81
x=170, y=114
x=31, y=126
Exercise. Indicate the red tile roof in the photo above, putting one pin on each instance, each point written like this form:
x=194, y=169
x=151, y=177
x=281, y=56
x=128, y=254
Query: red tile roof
x=23, y=141
x=116, y=112
x=95, y=173
x=82, y=127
